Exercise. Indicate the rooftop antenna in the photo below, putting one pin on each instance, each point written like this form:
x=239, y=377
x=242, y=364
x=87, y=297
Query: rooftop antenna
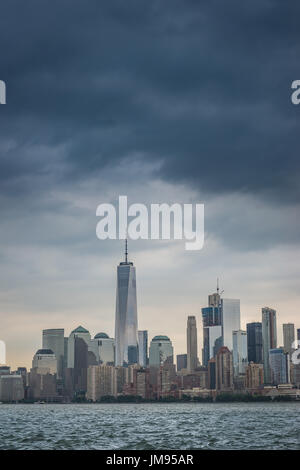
x=218, y=288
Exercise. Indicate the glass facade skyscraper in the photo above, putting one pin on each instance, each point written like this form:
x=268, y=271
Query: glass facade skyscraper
x=212, y=328
x=240, y=352
x=254, y=342
x=161, y=351
x=54, y=339
x=279, y=366
x=126, y=336
x=212, y=342
x=231, y=320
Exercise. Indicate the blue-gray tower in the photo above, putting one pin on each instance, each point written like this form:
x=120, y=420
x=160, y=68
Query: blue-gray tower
x=126, y=325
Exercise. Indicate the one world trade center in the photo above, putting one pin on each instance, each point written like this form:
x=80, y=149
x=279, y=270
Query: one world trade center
x=126, y=314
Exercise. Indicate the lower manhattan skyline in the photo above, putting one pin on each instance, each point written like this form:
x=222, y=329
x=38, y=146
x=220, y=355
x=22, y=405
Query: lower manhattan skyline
x=94, y=323
x=149, y=228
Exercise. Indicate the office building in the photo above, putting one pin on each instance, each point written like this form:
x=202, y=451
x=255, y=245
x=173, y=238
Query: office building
x=100, y=382
x=143, y=348
x=214, y=300
x=44, y=362
x=42, y=386
x=224, y=370
x=212, y=327
x=43, y=375
x=121, y=378
x=161, y=351
x=181, y=360
x=212, y=342
x=212, y=374
x=254, y=376
x=54, y=339
x=81, y=363
x=23, y=372
x=269, y=334
x=192, y=345
x=142, y=383
x=105, y=349
x=166, y=380
x=254, y=342
x=126, y=323
x=11, y=388
x=231, y=320
x=279, y=366
x=288, y=337
x=84, y=334
x=240, y=352
x=211, y=316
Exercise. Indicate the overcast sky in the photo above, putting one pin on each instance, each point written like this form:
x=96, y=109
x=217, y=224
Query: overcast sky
x=162, y=101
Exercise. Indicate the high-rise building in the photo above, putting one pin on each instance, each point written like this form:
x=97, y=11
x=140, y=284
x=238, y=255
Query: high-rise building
x=211, y=316
x=254, y=342
x=141, y=380
x=212, y=327
x=66, y=341
x=42, y=386
x=81, y=363
x=298, y=334
x=231, y=320
x=121, y=378
x=161, y=351
x=105, y=348
x=240, y=352
x=192, y=345
x=212, y=342
x=279, y=366
x=212, y=374
x=79, y=332
x=23, y=372
x=224, y=370
x=54, y=339
x=42, y=376
x=166, y=379
x=126, y=323
x=254, y=376
x=269, y=334
x=214, y=299
x=181, y=360
x=288, y=337
x=143, y=348
x=45, y=362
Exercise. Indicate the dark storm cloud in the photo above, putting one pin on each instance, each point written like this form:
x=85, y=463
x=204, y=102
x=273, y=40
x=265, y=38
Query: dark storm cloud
x=203, y=87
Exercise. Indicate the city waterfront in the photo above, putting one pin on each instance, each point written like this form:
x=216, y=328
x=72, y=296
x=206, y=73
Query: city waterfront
x=174, y=426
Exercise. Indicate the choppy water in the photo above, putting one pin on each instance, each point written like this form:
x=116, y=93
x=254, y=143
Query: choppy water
x=151, y=426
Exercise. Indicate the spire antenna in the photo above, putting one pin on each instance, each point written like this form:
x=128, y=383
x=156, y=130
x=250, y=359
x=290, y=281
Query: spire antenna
x=218, y=285
x=126, y=251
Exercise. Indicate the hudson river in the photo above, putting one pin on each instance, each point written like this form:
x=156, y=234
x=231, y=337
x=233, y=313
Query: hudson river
x=151, y=426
